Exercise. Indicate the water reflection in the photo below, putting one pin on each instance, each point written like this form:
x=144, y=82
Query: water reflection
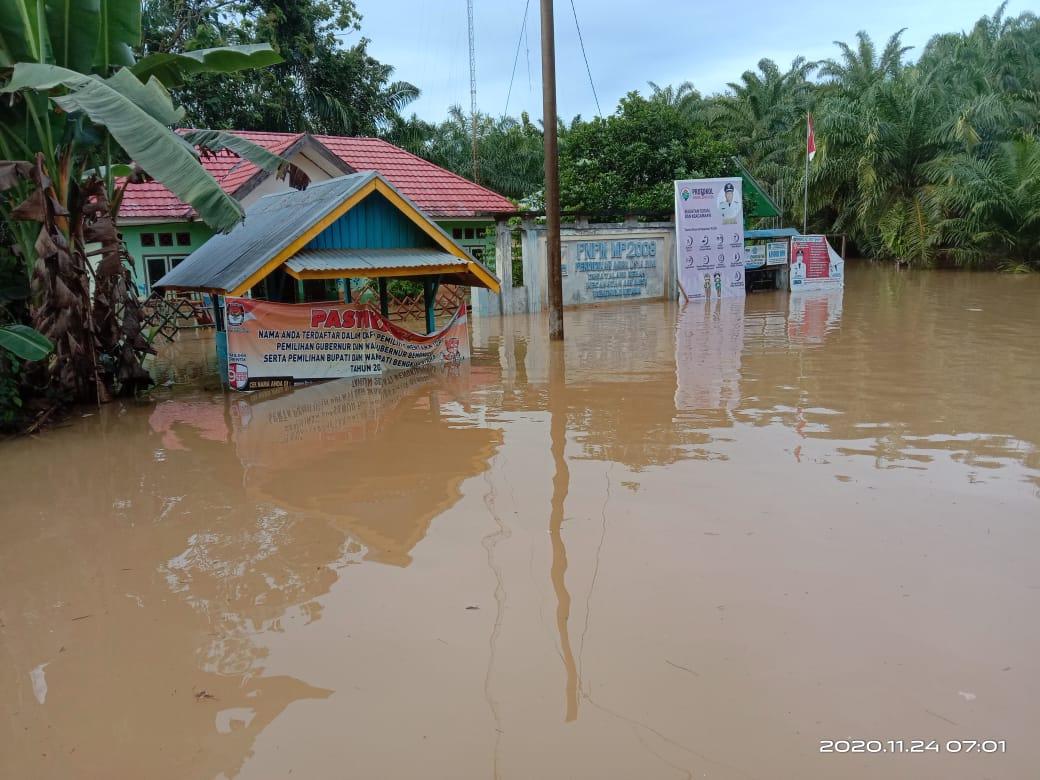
x=561, y=486
x=378, y=458
x=708, y=350
x=208, y=526
x=610, y=557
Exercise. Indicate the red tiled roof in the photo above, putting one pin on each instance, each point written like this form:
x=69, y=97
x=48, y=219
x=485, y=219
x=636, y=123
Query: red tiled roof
x=438, y=192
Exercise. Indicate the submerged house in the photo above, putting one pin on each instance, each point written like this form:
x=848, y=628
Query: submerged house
x=160, y=230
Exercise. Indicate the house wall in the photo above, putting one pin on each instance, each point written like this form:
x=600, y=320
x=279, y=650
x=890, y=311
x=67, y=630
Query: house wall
x=315, y=168
x=135, y=235
x=374, y=223
x=477, y=236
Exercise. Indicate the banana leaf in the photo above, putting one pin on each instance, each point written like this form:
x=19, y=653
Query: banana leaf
x=73, y=27
x=25, y=342
x=166, y=157
x=120, y=32
x=171, y=69
x=22, y=37
x=216, y=140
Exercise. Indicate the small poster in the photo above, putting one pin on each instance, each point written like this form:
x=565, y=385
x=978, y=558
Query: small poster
x=709, y=224
x=814, y=265
x=754, y=255
x=776, y=253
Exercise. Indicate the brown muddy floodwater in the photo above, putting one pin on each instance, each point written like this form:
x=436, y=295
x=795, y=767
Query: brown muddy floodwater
x=690, y=543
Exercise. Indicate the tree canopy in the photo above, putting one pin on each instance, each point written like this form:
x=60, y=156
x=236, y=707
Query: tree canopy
x=321, y=86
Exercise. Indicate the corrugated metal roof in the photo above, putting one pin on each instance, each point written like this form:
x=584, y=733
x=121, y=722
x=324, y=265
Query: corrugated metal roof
x=271, y=224
x=771, y=233
x=227, y=262
x=361, y=261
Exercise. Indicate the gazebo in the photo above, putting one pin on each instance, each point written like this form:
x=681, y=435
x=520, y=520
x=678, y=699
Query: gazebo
x=281, y=284
x=296, y=246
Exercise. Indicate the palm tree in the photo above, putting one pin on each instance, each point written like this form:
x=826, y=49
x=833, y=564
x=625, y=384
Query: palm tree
x=683, y=97
x=857, y=71
x=993, y=205
x=764, y=116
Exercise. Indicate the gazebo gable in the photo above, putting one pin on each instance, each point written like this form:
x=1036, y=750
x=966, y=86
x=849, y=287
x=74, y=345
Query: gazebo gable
x=374, y=223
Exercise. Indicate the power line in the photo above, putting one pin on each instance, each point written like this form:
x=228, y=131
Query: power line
x=516, y=57
x=588, y=70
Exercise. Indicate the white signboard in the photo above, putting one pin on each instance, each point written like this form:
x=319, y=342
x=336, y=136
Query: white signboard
x=776, y=253
x=709, y=225
x=754, y=255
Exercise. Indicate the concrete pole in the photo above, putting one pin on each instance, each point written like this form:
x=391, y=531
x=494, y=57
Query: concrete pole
x=504, y=264
x=552, y=174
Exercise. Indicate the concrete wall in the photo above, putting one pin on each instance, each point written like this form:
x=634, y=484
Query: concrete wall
x=601, y=263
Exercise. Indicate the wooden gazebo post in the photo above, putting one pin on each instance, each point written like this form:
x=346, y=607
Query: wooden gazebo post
x=384, y=297
x=430, y=287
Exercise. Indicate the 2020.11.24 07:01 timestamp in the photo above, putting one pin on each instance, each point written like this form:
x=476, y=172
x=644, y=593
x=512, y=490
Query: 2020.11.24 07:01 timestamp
x=913, y=746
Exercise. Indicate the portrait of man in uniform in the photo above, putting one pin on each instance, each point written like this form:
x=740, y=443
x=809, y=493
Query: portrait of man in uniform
x=730, y=207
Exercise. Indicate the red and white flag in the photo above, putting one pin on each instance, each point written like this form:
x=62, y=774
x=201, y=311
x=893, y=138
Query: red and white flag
x=810, y=138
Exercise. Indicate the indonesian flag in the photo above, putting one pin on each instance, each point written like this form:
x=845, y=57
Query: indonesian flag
x=810, y=139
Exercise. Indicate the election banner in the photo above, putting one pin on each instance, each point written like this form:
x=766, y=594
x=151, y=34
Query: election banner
x=709, y=225
x=271, y=344
x=814, y=265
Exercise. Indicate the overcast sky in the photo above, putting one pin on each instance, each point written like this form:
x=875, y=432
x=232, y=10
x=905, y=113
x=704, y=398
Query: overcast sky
x=628, y=43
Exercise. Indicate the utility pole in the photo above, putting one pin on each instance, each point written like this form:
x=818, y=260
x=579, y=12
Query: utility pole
x=552, y=174
x=473, y=91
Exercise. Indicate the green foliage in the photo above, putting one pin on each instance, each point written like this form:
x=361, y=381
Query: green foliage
x=924, y=162
x=763, y=116
x=74, y=113
x=24, y=342
x=510, y=158
x=317, y=86
x=11, y=412
x=628, y=161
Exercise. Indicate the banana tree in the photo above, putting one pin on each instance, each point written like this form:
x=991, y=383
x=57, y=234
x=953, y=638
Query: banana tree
x=77, y=109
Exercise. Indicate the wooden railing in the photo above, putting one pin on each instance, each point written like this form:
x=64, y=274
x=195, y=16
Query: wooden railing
x=413, y=307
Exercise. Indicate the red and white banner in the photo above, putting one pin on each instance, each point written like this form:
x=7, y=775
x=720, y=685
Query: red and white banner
x=281, y=343
x=814, y=265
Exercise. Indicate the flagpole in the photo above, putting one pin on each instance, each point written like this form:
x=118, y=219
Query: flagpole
x=805, y=200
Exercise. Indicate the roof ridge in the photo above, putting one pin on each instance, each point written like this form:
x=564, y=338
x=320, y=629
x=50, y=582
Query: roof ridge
x=417, y=157
x=323, y=183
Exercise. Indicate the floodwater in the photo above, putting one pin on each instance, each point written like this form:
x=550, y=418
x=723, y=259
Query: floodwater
x=689, y=543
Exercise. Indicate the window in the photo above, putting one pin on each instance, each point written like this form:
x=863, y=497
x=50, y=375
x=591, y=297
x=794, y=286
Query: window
x=157, y=266
x=184, y=239
x=469, y=232
x=456, y=232
x=166, y=239
x=148, y=239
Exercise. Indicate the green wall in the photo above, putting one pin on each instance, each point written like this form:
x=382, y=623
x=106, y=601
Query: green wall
x=197, y=232
x=475, y=236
